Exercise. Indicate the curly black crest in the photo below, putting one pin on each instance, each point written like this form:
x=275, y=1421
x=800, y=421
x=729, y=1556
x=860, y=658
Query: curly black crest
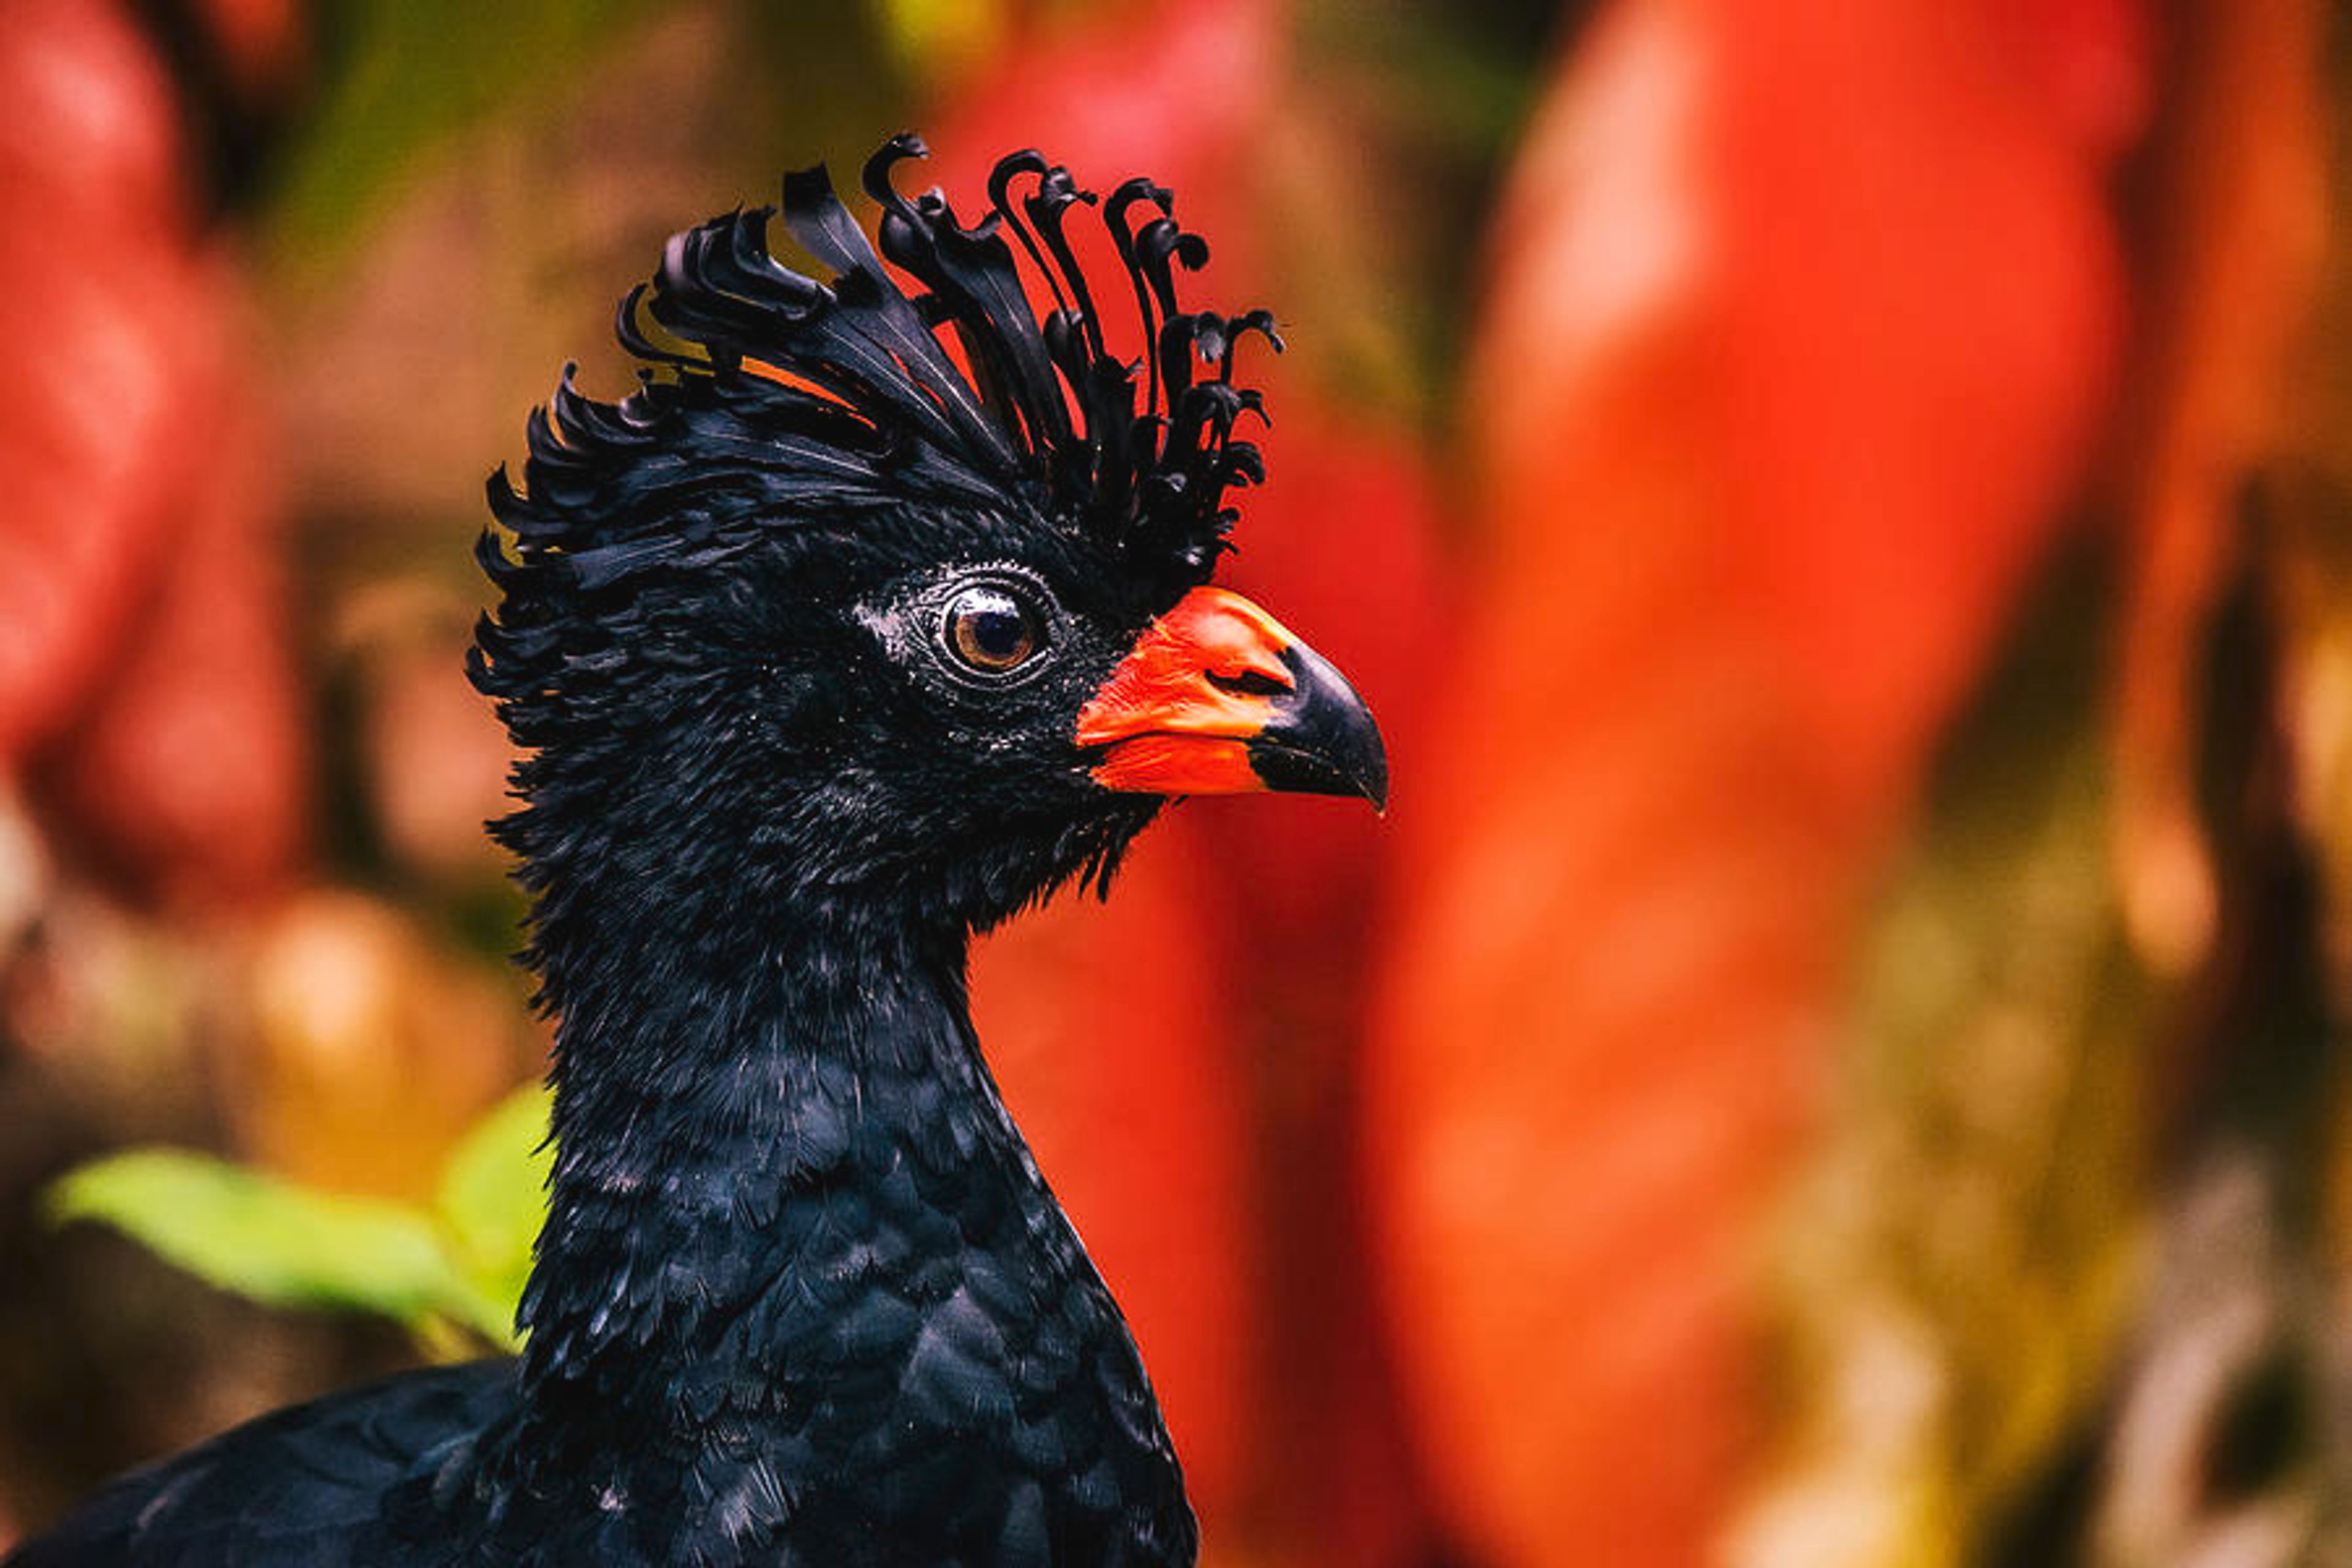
x=841, y=397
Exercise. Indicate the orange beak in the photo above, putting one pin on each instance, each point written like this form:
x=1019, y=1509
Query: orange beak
x=1216, y=698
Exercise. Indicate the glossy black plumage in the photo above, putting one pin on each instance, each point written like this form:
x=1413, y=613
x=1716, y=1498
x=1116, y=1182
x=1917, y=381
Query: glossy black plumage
x=306, y=1484
x=802, y=1296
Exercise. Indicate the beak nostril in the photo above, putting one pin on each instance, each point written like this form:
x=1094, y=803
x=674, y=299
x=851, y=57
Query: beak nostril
x=1248, y=683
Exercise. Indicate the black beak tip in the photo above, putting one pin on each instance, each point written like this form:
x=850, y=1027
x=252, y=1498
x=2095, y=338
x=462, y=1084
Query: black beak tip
x=1375, y=785
x=1323, y=740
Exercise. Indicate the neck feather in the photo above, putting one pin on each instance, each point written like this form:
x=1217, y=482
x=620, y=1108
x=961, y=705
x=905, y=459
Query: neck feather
x=710, y=1107
x=798, y=1261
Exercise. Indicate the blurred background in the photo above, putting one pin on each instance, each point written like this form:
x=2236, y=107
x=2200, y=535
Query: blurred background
x=1845, y=514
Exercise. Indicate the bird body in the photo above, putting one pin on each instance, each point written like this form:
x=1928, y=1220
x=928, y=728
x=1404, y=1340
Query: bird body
x=820, y=1299
x=826, y=651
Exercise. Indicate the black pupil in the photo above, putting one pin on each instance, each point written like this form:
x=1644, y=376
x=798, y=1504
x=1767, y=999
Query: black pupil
x=991, y=628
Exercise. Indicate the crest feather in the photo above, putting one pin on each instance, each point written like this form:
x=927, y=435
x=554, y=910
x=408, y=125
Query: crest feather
x=841, y=393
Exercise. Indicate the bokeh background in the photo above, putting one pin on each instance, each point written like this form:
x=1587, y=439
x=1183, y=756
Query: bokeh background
x=1845, y=512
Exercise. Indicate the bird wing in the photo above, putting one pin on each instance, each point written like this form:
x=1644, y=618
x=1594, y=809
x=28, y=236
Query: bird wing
x=304, y=1484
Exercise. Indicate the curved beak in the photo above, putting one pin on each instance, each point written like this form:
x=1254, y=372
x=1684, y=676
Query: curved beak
x=1217, y=698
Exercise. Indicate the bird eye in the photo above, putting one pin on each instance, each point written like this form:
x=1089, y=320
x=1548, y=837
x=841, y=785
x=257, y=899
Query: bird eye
x=992, y=630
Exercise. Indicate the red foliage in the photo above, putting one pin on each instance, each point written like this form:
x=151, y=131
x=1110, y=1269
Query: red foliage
x=1343, y=537
x=143, y=686
x=1176, y=92
x=1794, y=355
x=2240, y=179
x=92, y=241
x=1102, y=1024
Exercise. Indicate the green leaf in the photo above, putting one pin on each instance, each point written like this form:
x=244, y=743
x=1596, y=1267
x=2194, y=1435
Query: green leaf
x=269, y=1240
x=936, y=39
x=459, y=1266
x=404, y=79
x=1957, y=1270
x=493, y=1196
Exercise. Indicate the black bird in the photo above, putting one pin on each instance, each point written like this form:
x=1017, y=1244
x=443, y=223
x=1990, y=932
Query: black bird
x=871, y=617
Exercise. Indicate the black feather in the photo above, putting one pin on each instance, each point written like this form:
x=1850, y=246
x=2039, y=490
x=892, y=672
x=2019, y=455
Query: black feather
x=874, y=413
x=802, y=1296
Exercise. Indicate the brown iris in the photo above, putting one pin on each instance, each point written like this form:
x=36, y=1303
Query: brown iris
x=990, y=630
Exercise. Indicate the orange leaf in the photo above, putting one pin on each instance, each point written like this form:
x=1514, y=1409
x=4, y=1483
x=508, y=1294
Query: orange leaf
x=1801, y=324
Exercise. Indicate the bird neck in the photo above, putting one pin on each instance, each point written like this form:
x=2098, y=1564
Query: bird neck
x=708, y=1106
x=794, y=1233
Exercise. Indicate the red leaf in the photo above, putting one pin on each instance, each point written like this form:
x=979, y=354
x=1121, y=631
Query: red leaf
x=143, y=674
x=1101, y=1024
x=1794, y=352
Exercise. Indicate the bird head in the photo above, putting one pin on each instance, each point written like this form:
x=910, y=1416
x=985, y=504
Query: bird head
x=896, y=596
